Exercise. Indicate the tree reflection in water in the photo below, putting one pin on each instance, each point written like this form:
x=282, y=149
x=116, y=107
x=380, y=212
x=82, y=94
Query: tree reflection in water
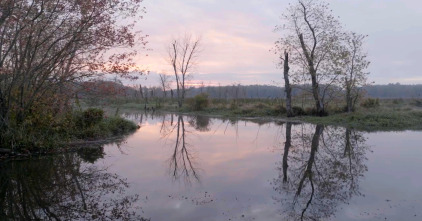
x=182, y=163
x=320, y=169
x=200, y=123
x=64, y=187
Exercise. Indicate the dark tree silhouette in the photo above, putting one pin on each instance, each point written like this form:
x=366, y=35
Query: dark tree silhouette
x=63, y=187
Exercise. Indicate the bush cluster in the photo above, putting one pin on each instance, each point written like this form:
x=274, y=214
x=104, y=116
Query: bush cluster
x=92, y=116
x=279, y=109
x=199, y=102
x=41, y=131
x=298, y=111
x=92, y=124
x=370, y=103
x=416, y=102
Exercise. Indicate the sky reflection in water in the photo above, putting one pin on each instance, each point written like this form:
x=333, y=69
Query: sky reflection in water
x=201, y=168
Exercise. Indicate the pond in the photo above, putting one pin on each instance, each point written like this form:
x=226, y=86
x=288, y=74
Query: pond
x=200, y=168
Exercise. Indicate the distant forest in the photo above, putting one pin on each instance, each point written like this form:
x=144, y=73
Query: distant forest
x=109, y=88
x=267, y=91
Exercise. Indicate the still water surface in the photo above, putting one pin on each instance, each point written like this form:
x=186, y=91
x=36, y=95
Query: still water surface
x=200, y=168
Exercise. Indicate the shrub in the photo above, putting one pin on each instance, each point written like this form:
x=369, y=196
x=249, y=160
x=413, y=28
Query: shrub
x=260, y=106
x=233, y=105
x=111, y=126
x=199, y=102
x=416, y=102
x=398, y=101
x=370, y=103
x=118, y=125
x=313, y=112
x=41, y=130
x=298, y=111
x=92, y=116
x=280, y=109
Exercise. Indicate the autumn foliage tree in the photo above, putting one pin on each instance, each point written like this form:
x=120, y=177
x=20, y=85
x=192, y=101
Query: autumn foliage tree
x=46, y=45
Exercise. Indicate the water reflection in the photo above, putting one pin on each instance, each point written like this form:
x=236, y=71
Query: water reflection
x=320, y=169
x=200, y=123
x=199, y=168
x=64, y=187
x=287, y=145
x=182, y=164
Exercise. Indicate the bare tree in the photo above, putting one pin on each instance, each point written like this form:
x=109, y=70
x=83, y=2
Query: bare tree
x=352, y=63
x=310, y=33
x=164, y=83
x=183, y=54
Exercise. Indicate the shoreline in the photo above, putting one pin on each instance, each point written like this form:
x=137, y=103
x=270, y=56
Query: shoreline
x=68, y=147
x=367, y=122
x=373, y=121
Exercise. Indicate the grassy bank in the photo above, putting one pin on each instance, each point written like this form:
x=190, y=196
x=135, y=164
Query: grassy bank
x=90, y=126
x=36, y=136
x=365, y=120
x=376, y=120
x=371, y=114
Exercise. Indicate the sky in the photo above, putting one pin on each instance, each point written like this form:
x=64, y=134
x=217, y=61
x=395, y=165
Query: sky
x=237, y=37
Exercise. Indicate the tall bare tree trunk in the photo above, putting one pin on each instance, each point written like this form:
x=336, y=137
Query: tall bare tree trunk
x=287, y=87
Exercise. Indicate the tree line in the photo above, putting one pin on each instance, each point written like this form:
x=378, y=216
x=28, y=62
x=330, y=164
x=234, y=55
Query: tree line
x=109, y=89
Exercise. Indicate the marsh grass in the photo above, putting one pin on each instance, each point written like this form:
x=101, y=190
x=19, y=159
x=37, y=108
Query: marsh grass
x=379, y=119
x=371, y=114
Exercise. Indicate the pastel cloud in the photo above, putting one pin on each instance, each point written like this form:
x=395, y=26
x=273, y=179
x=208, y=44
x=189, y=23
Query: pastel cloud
x=237, y=36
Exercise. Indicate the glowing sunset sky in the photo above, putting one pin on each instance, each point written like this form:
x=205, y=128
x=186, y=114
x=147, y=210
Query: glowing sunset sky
x=237, y=36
